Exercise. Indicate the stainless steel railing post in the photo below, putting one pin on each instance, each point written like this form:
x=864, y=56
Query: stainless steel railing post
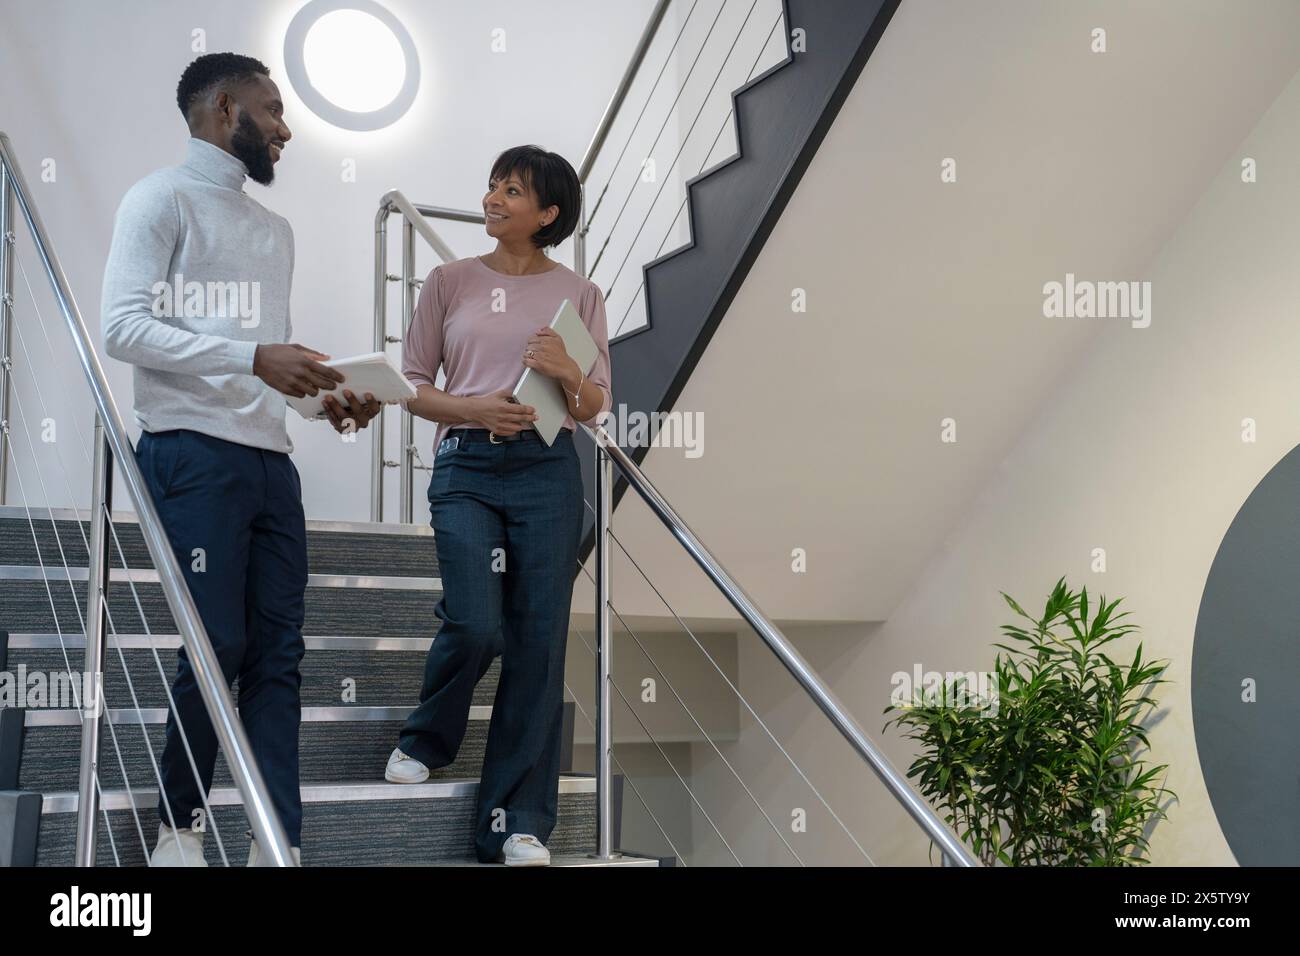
x=406, y=481
x=605, y=472
x=381, y=333
x=92, y=709
x=7, y=242
x=580, y=234
x=413, y=222
x=604, y=660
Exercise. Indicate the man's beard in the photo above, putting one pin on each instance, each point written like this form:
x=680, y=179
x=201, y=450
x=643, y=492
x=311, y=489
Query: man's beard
x=253, y=149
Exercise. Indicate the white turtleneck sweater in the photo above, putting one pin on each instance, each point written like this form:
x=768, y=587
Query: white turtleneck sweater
x=192, y=338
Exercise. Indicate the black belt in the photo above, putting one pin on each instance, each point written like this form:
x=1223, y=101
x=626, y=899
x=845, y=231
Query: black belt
x=485, y=434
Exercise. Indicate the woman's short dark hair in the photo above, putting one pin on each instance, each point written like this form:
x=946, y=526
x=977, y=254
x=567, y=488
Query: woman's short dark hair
x=554, y=181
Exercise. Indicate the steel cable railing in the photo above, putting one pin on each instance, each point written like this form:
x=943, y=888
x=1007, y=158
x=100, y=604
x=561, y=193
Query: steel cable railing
x=114, y=445
x=667, y=119
x=68, y=576
x=626, y=776
x=700, y=727
x=735, y=37
x=734, y=690
x=704, y=164
x=101, y=508
x=694, y=719
x=608, y=455
x=668, y=58
x=45, y=579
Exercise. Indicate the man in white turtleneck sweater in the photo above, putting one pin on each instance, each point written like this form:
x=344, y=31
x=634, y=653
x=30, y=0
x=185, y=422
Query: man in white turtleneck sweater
x=196, y=297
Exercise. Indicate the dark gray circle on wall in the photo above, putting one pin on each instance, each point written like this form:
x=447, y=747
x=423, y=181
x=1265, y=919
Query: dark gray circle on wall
x=1247, y=628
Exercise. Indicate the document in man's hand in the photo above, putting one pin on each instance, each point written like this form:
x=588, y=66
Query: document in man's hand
x=373, y=372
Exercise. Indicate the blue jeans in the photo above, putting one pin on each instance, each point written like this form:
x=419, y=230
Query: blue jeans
x=243, y=507
x=507, y=521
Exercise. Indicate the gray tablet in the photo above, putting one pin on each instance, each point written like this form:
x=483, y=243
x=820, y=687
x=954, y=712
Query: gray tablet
x=544, y=393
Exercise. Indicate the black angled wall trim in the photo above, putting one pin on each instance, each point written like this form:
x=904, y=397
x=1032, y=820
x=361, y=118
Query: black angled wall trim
x=20, y=820
x=566, y=736
x=616, y=801
x=12, y=720
x=781, y=119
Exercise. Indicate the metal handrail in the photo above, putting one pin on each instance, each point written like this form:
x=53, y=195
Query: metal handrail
x=265, y=823
x=7, y=242
x=620, y=94
x=413, y=221
x=602, y=131
x=608, y=452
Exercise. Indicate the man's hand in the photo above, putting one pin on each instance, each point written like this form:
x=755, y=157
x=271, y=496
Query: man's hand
x=353, y=416
x=294, y=369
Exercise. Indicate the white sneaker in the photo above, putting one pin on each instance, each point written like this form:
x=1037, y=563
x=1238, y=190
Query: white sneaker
x=405, y=769
x=524, y=849
x=179, y=847
x=255, y=857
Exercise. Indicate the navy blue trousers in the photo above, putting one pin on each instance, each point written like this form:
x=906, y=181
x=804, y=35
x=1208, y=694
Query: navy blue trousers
x=234, y=517
x=507, y=520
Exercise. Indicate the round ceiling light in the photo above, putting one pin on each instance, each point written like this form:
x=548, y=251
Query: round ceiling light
x=352, y=63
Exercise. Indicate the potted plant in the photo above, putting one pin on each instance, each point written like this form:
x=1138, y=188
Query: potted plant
x=1052, y=772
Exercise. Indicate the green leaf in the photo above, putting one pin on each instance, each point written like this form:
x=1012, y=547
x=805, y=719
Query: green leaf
x=1068, y=736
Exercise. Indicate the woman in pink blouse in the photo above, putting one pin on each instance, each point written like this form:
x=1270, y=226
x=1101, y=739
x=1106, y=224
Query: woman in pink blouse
x=506, y=508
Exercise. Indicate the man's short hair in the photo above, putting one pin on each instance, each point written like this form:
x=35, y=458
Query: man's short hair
x=213, y=69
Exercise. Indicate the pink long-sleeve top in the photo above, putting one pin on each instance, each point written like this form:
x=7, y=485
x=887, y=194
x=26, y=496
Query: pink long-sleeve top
x=475, y=323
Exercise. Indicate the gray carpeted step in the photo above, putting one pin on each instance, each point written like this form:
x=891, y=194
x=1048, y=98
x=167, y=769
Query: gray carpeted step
x=380, y=677
x=374, y=632
x=329, y=751
x=428, y=824
x=387, y=612
x=362, y=549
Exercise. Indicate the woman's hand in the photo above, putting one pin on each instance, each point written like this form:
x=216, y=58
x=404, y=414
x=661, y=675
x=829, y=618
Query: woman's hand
x=501, y=413
x=545, y=352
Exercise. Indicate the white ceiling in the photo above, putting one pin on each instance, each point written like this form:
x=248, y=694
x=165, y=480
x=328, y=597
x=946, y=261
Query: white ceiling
x=822, y=430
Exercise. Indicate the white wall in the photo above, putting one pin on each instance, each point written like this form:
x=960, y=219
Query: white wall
x=1139, y=451
x=91, y=86
x=820, y=429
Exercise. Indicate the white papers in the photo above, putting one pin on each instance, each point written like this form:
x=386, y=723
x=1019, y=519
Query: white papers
x=373, y=372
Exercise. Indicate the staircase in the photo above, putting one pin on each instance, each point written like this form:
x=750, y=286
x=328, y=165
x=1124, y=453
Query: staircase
x=781, y=117
x=369, y=616
x=373, y=587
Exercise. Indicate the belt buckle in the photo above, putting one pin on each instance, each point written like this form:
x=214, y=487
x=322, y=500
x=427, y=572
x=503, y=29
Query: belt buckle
x=492, y=437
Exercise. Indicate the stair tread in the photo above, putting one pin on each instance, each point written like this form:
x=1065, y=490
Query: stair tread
x=334, y=713
x=557, y=859
x=354, y=791
x=148, y=575
x=332, y=546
